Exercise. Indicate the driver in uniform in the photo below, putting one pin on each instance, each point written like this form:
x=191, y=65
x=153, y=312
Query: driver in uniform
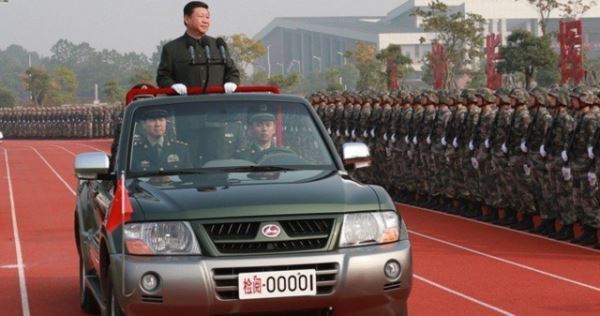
x=154, y=151
x=262, y=129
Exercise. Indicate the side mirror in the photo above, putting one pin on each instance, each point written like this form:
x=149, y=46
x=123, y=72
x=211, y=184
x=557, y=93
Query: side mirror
x=356, y=156
x=89, y=165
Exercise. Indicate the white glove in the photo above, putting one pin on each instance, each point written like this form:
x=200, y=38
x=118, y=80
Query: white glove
x=486, y=143
x=590, y=151
x=329, y=131
x=346, y=133
x=471, y=146
x=524, y=147
x=543, y=151
x=337, y=133
x=503, y=148
x=372, y=132
x=455, y=142
x=592, y=179
x=353, y=134
x=474, y=163
x=566, y=173
x=564, y=156
x=180, y=88
x=393, y=138
x=385, y=137
x=230, y=87
x=443, y=141
x=414, y=140
x=365, y=135
x=428, y=140
x=406, y=140
x=527, y=170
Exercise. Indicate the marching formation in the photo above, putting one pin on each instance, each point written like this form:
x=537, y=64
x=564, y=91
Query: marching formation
x=59, y=122
x=498, y=156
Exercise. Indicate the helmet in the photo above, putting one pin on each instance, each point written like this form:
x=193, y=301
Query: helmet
x=431, y=95
x=520, y=95
x=561, y=94
x=541, y=95
x=469, y=95
x=487, y=95
x=585, y=95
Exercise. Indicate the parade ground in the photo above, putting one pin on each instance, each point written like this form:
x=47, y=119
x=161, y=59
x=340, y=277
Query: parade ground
x=461, y=266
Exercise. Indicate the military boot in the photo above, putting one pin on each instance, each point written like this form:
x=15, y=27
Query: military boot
x=510, y=217
x=565, y=233
x=473, y=210
x=525, y=223
x=546, y=227
x=491, y=215
x=588, y=238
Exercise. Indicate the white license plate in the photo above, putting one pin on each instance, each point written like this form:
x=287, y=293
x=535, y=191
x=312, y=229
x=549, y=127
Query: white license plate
x=277, y=284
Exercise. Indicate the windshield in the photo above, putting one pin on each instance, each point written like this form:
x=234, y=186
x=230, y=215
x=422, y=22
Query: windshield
x=226, y=136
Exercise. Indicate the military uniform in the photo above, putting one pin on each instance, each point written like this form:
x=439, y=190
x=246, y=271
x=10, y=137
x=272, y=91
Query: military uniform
x=254, y=153
x=172, y=154
x=175, y=64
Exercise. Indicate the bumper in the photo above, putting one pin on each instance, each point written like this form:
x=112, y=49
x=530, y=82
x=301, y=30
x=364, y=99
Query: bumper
x=187, y=284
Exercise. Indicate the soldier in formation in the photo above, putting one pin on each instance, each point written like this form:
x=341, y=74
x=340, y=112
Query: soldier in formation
x=58, y=122
x=505, y=157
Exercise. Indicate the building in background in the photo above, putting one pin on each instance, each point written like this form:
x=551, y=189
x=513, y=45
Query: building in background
x=312, y=43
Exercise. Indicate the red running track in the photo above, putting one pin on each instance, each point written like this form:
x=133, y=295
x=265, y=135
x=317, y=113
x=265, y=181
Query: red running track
x=461, y=267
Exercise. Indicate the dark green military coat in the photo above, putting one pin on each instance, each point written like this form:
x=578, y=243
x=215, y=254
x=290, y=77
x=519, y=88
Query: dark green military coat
x=173, y=155
x=175, y=65
x=255, y=154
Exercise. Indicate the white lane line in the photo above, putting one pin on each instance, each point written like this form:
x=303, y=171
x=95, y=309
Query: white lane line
x=12, y=266
x=68, y=151
x=501, y=227
x=467, y=297
x=516, y=264
x=13, y=213
x=53, y=170
x=92, y=147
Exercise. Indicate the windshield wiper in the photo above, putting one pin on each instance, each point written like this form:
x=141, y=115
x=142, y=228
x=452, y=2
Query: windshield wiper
x=174, y=172
x=256, y=169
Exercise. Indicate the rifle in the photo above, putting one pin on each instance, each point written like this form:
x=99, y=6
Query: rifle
x=510, y=127
x=433, y=124
x=551, y=132
x=462, y=127
x=476, y=131
x=573, y=136
x=530, y=127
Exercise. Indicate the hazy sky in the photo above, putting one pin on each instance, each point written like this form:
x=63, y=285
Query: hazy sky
x=139, y=25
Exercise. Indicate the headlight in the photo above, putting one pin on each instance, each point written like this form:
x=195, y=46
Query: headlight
x=370, y=228
x=163, y=238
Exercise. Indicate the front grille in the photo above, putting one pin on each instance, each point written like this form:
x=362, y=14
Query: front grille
x=152, y=298
x=232, y=230
x=274, y=246
x=226, y=279
x=307, y=227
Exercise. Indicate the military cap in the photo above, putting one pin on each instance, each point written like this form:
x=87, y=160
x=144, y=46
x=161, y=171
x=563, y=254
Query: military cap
x=261, y=117
x=487, y=95
x=153, y=114
x=469, y=95
x=541, y=95
x=520, y=95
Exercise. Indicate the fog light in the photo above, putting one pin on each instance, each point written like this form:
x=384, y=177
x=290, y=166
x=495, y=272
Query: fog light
x=149, y=282
x=392, y=269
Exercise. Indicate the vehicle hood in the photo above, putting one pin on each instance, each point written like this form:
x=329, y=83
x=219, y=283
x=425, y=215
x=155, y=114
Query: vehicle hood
x=329, y=193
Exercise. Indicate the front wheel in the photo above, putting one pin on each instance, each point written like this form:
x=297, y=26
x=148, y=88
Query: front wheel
x=87, y=301
x=112, y=304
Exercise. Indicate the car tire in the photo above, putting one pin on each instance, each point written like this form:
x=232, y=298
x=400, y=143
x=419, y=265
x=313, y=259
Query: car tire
x=87, y=301
x=112, y=304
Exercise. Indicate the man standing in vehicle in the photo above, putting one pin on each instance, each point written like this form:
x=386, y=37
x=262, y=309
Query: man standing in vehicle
x=184, y=61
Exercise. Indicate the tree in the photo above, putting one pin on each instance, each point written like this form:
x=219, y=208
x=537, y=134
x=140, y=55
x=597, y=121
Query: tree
x=63, y=86
x=245, y=51
x=364, y=57
x=397, y=65
x=569, y=8
x=141, y=75
x=37, y=81
x=526, y=53
x=113, y=91
x=285, y=82
x=460, y=33
x=333, y=77
x=7, y=99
